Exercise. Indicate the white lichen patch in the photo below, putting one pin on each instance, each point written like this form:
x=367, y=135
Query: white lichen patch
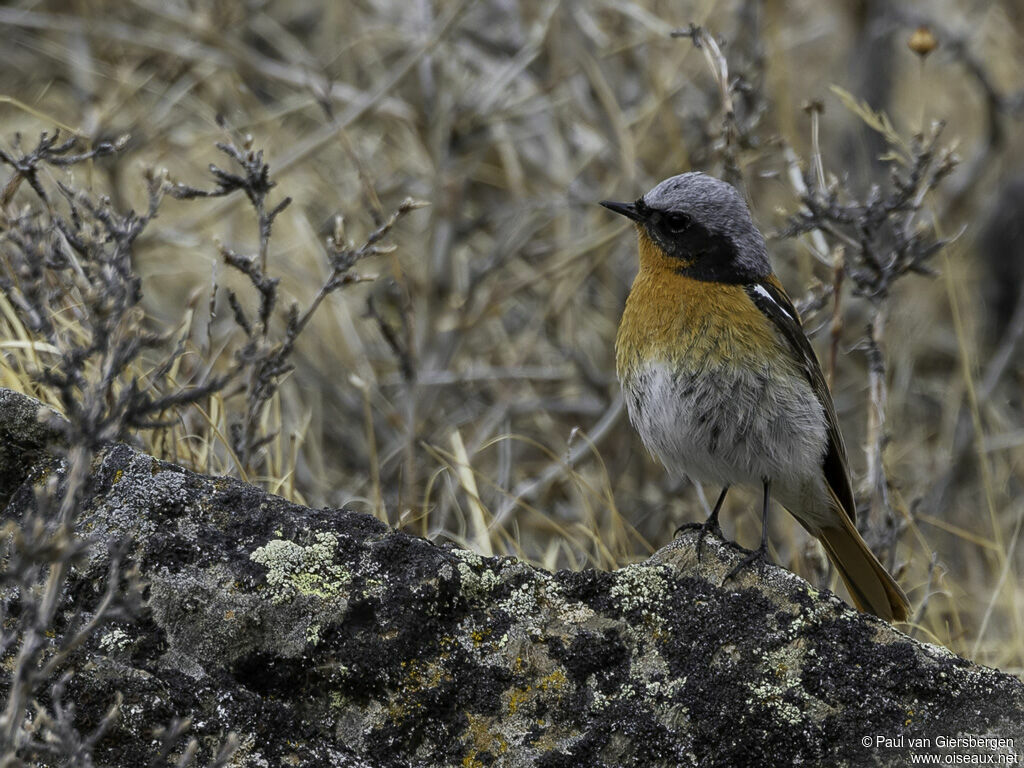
x=783, y=682
x=641, y=588
x=663, y=690
x=115, y=640
x=293, y=569
x=599, y=701
x=524, y=606
x=769, y=695
x=521, y=602
x=807, y=619
x=575, y=614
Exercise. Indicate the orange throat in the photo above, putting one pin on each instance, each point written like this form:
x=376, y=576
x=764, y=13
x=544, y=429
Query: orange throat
x=676, y=319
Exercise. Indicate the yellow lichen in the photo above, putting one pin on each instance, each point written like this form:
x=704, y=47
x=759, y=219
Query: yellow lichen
x=478, y=636
x=516, y=697
x=519, y=696
x=484, y=740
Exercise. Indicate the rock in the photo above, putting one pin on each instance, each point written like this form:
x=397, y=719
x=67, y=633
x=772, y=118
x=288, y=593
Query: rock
x=322, y=638
x=26, y=431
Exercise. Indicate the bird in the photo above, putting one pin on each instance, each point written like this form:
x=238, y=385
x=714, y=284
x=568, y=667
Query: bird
x=721, y=381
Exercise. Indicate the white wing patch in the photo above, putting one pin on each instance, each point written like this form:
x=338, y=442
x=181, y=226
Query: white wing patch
x=761, y=291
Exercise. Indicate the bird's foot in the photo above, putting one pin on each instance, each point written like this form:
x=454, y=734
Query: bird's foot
x=757, y=557
x=703, y=529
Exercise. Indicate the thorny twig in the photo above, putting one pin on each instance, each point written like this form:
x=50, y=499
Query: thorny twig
x=266, y=360
x=255, y=183
x=880, y=233
x=738, y=127
x=881, y=241
x=79, y=263
x=49, y=150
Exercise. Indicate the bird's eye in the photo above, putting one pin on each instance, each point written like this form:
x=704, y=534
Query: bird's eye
x=677, y=222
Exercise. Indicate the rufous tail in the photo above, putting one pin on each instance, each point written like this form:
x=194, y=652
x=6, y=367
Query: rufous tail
x=872, y=588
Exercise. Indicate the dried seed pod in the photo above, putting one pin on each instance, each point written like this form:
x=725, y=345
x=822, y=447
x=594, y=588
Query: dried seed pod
x=922, y=41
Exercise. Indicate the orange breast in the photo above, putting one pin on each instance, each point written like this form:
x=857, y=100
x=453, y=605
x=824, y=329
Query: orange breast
x=681, y=321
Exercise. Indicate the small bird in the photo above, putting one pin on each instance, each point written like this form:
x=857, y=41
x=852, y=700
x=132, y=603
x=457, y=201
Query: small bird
x=721, y=382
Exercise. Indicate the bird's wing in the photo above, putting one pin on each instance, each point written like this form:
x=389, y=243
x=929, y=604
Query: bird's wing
x=769, y=297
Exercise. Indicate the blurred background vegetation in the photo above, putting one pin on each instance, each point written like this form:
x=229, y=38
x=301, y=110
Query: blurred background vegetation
x=461, y=386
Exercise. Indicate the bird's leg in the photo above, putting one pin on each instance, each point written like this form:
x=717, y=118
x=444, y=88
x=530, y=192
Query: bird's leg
x=710, y=525
x=759, y=555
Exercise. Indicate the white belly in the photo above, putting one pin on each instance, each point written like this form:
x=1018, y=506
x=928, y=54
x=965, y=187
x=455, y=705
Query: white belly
x=734, y=426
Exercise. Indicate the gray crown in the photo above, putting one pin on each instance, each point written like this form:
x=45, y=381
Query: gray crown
x=718, y=208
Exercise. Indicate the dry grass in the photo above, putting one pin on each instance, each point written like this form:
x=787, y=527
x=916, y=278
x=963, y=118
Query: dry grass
x=474, y=397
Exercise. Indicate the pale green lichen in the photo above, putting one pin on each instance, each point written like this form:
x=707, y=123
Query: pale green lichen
x=521, y=602
x=469, y=556
x=476, y=584
x=770, y=697
x=664, y=690
x=293, y=569
x=641, y=588
x=313, y=634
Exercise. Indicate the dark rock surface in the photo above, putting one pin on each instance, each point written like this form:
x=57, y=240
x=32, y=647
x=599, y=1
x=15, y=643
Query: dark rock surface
x=321, y=637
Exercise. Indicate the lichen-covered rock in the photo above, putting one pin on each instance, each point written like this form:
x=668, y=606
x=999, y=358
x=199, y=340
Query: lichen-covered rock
x=322, y=638
x=27, y=431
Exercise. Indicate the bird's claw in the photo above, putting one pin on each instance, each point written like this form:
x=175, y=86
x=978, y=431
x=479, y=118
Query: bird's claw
x=758, y=556
x=703, y=529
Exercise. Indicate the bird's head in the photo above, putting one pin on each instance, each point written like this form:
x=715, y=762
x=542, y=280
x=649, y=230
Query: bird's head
x=697, y=226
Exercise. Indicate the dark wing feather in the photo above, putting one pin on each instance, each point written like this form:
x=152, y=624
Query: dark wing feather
x=769, y=297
